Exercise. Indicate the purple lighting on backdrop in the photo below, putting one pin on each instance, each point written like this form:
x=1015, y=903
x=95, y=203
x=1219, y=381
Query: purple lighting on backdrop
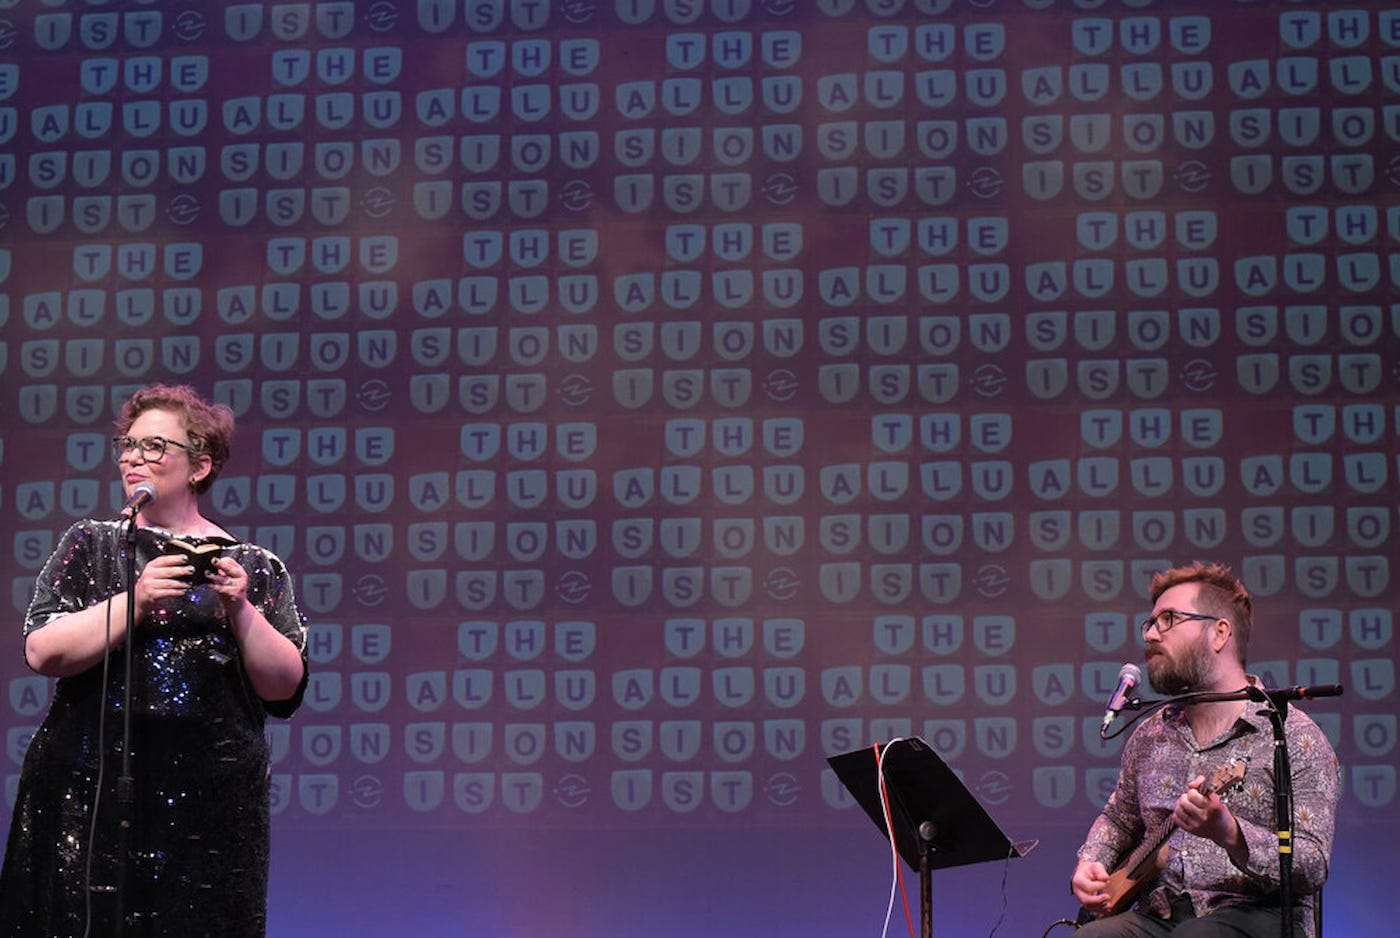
x=654, y=399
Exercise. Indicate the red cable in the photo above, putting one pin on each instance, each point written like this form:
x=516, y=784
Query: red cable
x=899, y=870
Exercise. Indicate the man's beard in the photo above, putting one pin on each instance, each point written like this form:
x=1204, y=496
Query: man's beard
x=1191, y=673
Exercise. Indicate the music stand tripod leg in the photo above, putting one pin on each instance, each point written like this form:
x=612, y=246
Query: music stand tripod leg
x=926, y=897
x=927, y=832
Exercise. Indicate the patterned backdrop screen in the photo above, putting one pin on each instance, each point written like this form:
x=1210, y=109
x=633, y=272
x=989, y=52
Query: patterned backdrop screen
x=655, y=397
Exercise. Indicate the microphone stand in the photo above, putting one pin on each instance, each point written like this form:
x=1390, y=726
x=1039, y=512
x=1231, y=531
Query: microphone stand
x=1276, y=702
x=126, y=781
x=1283, y=807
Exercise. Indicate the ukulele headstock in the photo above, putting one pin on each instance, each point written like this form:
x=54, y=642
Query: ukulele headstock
x=1227, y=778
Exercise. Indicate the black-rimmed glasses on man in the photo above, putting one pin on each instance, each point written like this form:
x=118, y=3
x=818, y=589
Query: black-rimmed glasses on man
x=152, y=448
x=1167, y=618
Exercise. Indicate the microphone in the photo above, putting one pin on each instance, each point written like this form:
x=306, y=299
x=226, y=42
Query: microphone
x=1128, y=677
x=1303, y=692
x=141, y=496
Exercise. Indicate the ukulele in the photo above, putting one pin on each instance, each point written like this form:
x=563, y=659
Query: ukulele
x=1142, y=865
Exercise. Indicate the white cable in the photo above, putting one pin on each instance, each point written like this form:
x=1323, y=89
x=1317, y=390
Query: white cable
x=889, y=828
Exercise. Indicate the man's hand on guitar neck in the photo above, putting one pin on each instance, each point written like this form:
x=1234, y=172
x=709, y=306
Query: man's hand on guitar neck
x=1205, y=815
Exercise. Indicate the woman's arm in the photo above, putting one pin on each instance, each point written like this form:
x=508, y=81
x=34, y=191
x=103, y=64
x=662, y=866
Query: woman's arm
x=273, y=661
x=71, y=643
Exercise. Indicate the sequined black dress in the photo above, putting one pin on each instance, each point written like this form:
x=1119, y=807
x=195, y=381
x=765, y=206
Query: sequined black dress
x=199, y=839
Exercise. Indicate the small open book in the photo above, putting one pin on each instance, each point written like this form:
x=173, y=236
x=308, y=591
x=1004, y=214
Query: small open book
x=200, y=556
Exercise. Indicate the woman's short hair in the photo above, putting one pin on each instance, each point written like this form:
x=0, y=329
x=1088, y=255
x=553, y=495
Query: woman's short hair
x=209, y=426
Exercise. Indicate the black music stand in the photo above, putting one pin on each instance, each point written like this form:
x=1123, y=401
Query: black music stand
x=937, y=822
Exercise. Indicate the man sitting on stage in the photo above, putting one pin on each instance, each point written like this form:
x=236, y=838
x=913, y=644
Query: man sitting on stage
x=1202, y=776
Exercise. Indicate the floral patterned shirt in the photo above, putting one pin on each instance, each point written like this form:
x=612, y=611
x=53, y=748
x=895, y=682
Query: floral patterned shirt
x=1161, y=758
